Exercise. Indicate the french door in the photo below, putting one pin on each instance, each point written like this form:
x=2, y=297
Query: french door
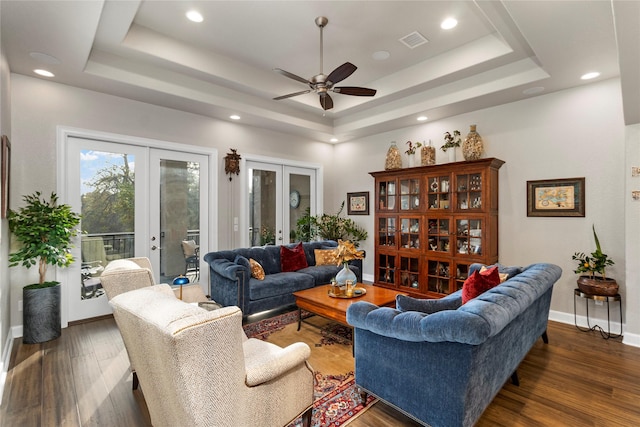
x=278, y=196
x=135, y=201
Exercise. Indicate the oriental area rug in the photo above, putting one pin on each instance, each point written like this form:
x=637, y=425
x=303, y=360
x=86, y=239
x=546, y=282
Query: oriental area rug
x=336, y=397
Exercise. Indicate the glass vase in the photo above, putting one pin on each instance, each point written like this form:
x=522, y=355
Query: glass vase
x=472, y=146
x=393, y=159
x=345, y=274
x=428, y=155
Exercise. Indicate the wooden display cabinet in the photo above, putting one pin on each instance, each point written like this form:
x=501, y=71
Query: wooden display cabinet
x=433, y=222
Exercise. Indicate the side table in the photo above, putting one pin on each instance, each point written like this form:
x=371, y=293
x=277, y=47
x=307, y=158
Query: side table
x=577, y=293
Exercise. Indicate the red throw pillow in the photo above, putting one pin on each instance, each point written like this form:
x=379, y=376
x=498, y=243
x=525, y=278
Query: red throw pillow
x=292, y=259
x=479, y=283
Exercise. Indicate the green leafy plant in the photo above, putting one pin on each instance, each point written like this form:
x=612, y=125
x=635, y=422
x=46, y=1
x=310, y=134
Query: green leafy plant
x=331, y=227
x=413, y=147
x=594, y=263
x=451, y=141
x=44, y=230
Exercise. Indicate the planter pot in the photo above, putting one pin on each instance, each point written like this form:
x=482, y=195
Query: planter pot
x=598, y=286
x=41, y=315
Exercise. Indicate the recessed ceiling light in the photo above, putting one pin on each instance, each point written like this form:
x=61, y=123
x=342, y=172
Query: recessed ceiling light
x=449, y=23
x=422, y=118
x=589, y=76
x=44, y=58
x=533, y=90
x=195, y=16
x=333, y=140
x=381, y=55
x=44, y=73
x=234, y=117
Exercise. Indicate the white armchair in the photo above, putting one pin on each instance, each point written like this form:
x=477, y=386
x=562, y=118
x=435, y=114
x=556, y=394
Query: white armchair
x=198, y=368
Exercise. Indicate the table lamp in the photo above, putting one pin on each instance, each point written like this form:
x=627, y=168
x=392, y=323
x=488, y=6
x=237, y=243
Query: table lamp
x=180, y=280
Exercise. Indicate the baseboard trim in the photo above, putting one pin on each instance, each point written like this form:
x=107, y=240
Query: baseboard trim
x=4, y=363
x=569, y=319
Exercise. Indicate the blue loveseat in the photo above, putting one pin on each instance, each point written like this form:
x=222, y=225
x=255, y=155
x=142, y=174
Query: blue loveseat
x=444, y=368
x=232, y=284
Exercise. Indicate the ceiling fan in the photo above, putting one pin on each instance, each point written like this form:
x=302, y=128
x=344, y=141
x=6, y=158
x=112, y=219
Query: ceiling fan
x=323, y=84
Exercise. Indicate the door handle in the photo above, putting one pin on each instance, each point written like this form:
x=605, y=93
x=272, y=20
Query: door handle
x=154, y=247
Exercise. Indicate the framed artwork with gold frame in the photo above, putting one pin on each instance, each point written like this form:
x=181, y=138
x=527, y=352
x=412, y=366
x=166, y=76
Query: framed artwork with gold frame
x=556, y=197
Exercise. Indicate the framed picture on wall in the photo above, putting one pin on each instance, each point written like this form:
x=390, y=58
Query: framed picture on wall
x=556, y=197
x=358, y=203
x=5, y=167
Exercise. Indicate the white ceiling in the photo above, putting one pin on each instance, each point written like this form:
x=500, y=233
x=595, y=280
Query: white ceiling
x=148, y=51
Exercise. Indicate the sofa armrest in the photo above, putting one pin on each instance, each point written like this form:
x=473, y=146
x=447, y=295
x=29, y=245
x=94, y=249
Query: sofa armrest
x=227, y=269
x=273, y=361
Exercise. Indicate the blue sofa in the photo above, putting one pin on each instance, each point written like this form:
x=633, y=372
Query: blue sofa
x=232, y=284
x=444, y=366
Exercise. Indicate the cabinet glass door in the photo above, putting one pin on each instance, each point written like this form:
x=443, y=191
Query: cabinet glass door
x=469, y=191
x=387, y=231
x=410, y=233
x=439, y=195
x=469, y=236
x=439, y=234
x=387, y=195
x=386, y=268
x=409, y=272
x=438, y=276
x=409, y=194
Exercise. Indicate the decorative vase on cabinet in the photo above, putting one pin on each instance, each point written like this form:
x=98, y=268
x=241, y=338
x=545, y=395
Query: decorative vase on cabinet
x=393, y=159
x=472, y=146
x=428, y=155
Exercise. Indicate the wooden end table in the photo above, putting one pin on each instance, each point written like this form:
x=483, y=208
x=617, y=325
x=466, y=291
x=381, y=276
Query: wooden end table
x=317, y=301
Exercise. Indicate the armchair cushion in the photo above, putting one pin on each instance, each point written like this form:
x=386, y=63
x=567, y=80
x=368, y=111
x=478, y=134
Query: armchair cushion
x=292, y=259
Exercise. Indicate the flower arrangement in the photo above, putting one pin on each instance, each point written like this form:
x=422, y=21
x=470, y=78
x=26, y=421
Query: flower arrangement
x=413, y=147
x=347, y=251
x=594, y=263
x=451, y=141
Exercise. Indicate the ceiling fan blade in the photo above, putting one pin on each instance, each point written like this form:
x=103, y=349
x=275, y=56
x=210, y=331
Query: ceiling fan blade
x=292, y=95
x=354, y=90
x=341, y=73
x=291, y=76
x=326, y=101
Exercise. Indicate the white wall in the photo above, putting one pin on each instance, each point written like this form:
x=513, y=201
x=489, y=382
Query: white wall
x=573, y=133
x=5, y=289
x=39, y=106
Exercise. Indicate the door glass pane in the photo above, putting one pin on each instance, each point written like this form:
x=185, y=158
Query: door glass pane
x=107, y=198
x=299, y=202
x=179, y=220
x=262, y=207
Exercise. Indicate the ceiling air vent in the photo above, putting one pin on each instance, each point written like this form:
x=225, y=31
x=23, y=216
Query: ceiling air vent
x=413, y=40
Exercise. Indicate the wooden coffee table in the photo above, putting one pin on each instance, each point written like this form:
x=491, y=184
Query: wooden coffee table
x=317, y=300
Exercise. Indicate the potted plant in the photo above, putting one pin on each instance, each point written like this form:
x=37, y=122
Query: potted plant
x=44, y=230
x=331, y=227
x=596, y=281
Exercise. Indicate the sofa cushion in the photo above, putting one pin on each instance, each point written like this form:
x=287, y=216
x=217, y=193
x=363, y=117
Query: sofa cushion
x=279, y=284
x=292, y=259
x=257, y=272
x=503, y=276
x=511, y=271
x=427, y=306
x=477, y=283
x=325, y=256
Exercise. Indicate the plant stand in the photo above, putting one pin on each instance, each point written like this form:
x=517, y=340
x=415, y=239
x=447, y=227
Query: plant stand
x=577, y=293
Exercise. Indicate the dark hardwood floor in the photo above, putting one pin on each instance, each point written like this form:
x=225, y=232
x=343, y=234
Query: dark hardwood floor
x=83, y=379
